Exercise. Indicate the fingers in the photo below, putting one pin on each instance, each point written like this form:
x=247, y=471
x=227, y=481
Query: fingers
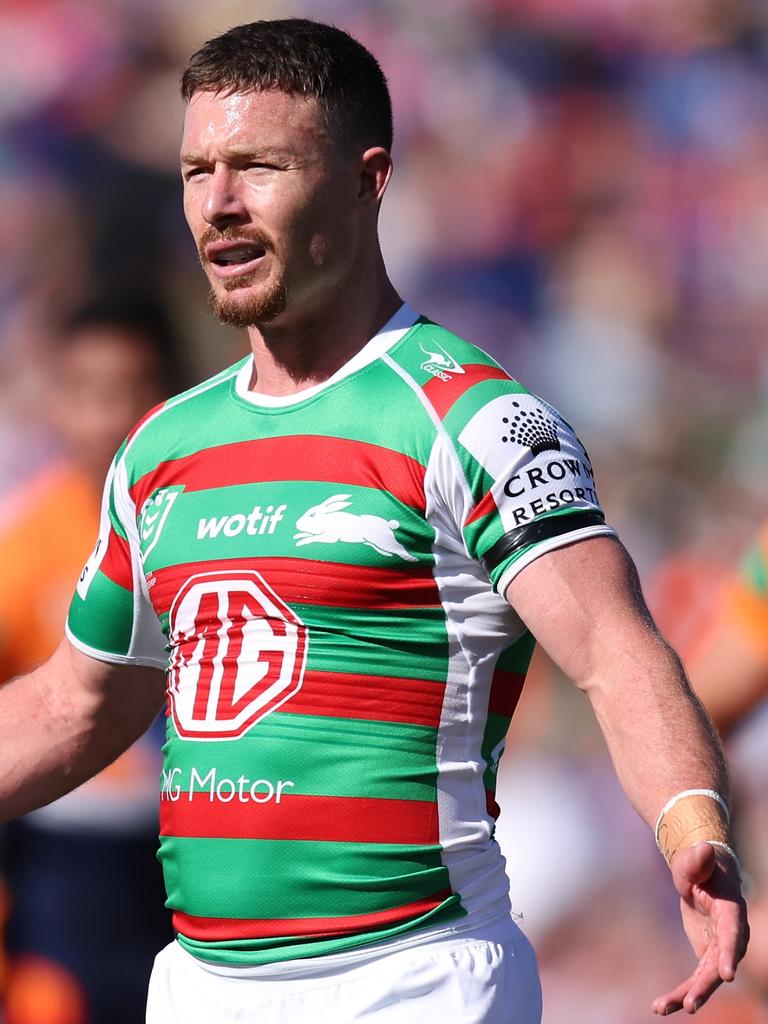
x=696, y=990
x=733, y=936
x=688, y=996
x=672, y=1001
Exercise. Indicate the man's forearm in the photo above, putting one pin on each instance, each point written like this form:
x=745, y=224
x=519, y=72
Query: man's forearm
x=61, y=724
x=657, y=732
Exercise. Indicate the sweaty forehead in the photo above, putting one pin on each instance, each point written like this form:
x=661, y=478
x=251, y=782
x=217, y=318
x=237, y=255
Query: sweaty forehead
x=241, y=120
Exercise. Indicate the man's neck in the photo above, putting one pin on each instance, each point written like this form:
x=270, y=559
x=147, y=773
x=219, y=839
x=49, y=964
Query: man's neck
x=290, y=358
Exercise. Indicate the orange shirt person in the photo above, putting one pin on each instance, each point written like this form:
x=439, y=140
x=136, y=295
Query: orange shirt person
x=112, y=363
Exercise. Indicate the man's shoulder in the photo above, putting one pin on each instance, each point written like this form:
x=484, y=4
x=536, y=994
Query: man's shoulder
x=171, y=425
x=453, y=376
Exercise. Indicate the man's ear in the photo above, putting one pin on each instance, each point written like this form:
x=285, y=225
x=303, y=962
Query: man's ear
x=375, y=172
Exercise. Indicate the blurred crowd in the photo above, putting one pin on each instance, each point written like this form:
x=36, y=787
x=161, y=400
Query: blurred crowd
x=581, y=188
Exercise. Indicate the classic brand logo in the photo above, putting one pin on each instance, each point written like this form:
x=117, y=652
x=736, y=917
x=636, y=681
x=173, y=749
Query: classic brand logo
x=153, y=516
x=439, y=362
x=238, y=653
x=327, y=523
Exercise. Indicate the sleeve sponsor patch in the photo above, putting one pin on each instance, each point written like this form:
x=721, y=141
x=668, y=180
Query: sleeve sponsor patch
x=536, y=463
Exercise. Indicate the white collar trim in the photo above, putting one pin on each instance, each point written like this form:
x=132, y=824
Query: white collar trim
x=392, y=331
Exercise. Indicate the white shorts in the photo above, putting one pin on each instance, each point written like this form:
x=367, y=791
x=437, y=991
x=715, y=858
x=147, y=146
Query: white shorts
x=481, y=974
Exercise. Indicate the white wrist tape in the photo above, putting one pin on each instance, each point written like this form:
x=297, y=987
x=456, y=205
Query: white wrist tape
x=691, y=792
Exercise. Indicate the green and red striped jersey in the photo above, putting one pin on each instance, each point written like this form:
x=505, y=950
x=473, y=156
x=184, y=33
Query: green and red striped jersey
x=321, y=575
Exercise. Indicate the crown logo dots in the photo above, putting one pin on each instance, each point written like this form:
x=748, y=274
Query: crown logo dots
x=531, y=429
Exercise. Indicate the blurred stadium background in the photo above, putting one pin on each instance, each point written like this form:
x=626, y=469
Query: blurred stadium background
x=582, y=188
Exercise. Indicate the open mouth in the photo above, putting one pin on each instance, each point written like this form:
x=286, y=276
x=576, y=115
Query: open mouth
x=234, y=258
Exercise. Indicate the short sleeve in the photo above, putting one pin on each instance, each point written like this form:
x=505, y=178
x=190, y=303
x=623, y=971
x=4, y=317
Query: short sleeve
x=530, y=486
x=110, y=617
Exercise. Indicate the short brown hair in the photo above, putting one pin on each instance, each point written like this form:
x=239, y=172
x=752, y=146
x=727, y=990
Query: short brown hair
x=302, y=57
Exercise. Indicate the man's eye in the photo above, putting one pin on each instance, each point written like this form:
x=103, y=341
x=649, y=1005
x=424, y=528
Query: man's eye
x=194, y=172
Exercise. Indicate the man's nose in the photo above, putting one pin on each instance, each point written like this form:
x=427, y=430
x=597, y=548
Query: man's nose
x=223, y=201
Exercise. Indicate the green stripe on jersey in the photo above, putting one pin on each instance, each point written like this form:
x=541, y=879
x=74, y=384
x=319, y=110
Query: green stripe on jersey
x=413, y=642
x=351, y=418
x=313, y=879
x=107, y=633
x=322, y=756
x=186, y=427
x=234, y=521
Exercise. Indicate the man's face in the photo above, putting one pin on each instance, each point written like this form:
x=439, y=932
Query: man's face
x=103, y=379
x=268, y=196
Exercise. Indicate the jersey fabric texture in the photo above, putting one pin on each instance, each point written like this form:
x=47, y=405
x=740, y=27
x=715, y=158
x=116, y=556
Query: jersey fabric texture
x=321, y=575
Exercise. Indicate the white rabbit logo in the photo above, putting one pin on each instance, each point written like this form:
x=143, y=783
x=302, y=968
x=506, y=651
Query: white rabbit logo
x=326, y=523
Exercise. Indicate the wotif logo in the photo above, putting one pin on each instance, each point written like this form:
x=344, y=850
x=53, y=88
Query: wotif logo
x=439, y=362
x=257, y=522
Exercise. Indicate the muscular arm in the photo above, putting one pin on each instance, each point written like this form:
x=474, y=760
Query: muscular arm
x=584, y=605
x=64, y=722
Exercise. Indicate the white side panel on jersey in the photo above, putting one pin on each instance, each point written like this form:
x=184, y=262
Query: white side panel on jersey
x=480, y=626
x=147, y=637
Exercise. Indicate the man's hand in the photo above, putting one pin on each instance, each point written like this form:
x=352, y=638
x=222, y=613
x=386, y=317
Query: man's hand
x=715, y=920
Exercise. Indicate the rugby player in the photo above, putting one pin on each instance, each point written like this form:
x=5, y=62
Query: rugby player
x=339, y=551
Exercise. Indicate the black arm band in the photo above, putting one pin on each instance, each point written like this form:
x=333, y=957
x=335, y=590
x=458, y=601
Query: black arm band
x=532, y=533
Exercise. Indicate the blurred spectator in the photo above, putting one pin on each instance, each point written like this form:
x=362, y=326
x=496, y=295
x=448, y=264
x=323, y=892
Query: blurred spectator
x=90, y=857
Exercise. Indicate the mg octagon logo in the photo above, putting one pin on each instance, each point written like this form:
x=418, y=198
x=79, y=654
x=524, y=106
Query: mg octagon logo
x=238, y=653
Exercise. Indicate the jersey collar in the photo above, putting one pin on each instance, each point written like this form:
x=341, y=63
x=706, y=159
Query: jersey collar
x=392, y=331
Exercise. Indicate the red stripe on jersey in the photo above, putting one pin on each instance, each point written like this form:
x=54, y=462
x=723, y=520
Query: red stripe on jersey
x=506, y=688
x=303, y=581
x=443, y=393
x=491, y=806
x=116, y=564
x=351, y=819
x=373, y=698
x=333, y=460
x=484, y=507
x=220, y=929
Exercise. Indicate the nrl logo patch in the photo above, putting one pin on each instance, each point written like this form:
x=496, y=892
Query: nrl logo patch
x=153, y=515
x=439, y=362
